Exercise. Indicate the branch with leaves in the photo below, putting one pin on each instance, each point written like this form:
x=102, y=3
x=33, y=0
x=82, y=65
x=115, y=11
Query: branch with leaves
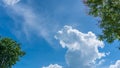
x=10, y=52
x=109, y=13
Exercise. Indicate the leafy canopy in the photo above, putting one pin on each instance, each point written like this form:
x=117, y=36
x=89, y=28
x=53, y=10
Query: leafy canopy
x=10, y=52
x=109, y=13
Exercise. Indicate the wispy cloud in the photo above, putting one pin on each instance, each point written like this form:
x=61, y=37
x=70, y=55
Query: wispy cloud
x=53, y=66
x=11, y=2
x=31, y=23
x=82, y=47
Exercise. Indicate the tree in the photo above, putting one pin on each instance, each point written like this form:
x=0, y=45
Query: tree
x=10, y=52
x=109, y=13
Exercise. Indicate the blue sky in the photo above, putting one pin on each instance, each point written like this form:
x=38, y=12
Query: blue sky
x=56, y=34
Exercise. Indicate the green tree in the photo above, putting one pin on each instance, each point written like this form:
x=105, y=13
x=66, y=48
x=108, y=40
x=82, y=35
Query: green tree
x=10, y=52
x=109, y=13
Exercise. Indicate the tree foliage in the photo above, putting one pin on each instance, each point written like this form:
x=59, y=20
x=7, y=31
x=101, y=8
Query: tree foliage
x=10, y=52
x=109, y=13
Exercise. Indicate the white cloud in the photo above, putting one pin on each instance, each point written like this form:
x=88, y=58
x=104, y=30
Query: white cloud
x=101, y=62
x=53, y=66
x=116, y=65
x=11, y=2
x=31, y=23
x=82, y=48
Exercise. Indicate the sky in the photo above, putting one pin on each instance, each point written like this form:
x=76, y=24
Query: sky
x=56, y=34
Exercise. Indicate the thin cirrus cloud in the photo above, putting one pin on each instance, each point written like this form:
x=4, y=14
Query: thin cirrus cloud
x=53, y=66
x=31, y=23
x=11, y=2
x=82, y=47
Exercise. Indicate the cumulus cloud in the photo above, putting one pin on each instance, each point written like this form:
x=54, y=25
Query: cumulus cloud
x=82, y=47
x=11, y=2
x=53, y=66
x=116, y=65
